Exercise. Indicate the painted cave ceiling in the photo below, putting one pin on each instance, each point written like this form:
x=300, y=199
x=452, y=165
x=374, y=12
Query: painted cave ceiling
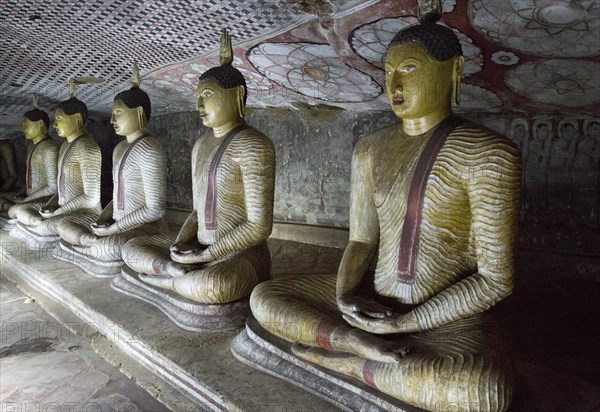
x=536, y=56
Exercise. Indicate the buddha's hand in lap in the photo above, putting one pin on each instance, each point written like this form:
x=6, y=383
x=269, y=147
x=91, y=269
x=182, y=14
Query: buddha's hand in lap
x=190, y=256
x=186, y=248
x=47, y=211
x=351, y=305
x=103, y=229
x=35, y=220
x=373, y=317
x=177, y=269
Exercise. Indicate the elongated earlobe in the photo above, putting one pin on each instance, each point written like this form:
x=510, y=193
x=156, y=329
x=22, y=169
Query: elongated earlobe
x=141, y=117
x=458, y=68
x=79, y=121
x=240, y=98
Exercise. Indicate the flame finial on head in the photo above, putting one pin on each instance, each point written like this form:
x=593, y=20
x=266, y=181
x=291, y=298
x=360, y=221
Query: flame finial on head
x=35, y=102
x=72, y=87
x=135, y=76
x=226, y=52
x=429, y=11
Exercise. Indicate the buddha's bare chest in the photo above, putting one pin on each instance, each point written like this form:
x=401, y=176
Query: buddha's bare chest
x=126, y=163
x=393, y=166
x=217, y=162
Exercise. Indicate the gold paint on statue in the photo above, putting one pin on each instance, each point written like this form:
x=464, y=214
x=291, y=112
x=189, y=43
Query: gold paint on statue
x=68, y=126
x=421, y=338
x=421, y=89
x=130, y=123
x=222, y=118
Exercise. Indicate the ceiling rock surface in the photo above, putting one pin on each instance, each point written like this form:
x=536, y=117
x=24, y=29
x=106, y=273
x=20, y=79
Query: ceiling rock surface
x=536, y=56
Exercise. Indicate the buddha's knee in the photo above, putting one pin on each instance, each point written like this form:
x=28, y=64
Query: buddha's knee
x=68, y=231
x=216, y=285
x=264, y=300
x=25, y=215
x=486, y=387
x=12, y=211
x=132, y=252
x=108, y=248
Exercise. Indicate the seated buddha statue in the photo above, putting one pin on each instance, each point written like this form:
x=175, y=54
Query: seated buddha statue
x=8, y=173
x=78, y=178
x=220, y=252
x=139, y=187
x=433, y=216
x=42, y=157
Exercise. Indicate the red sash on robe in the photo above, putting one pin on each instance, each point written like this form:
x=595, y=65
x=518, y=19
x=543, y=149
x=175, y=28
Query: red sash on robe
x=29, y=157
x=61, y=179
x=210, y=208
x=409, y=238
x=120, y=182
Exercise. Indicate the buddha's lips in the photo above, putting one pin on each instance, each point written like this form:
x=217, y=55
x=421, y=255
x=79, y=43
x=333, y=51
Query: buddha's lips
x=203, y=114
x=397, y=101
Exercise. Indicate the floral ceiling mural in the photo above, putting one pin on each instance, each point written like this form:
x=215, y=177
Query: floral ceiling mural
x=527, y=56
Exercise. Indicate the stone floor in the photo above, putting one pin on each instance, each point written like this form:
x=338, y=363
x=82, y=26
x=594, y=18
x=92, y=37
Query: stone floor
x=44, y=366
x=552, y=318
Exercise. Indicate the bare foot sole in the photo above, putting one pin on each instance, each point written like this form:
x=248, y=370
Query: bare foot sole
x=175, y=269
x=338, y=361
x=372, y=347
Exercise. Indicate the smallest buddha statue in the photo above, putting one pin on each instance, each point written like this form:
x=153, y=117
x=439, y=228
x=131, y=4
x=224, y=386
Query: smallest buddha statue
x=78, y=178
x=41, y=168
x=8, y=173
x=139, y=191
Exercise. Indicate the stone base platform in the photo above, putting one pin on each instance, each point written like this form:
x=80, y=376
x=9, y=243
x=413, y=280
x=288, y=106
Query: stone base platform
x=198, y=365
x=33, y=240
x=6, y=222
x=550, y=317
x=261, y=350
x=88, y=264
x=186, y=314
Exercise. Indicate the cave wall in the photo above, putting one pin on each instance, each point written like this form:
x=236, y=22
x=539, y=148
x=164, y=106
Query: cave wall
x=314, y=147
x=561, y=167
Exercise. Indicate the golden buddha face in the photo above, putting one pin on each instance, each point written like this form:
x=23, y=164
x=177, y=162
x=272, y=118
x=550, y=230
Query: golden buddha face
x=417, y=84
x=218, y=106
x=67, y=125
x=34, y=130
x=126, y=121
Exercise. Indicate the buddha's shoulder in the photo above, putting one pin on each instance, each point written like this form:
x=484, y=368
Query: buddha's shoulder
x=476, y=136
x=87, y=141
x=6, y=144
x=149, y=142
x=366, y=142
x=48, y=144
x=252, y=138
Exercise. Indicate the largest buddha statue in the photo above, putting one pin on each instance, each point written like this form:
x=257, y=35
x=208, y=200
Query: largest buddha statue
x=78, y=178
x=139, y=190
x=433, y=209
x=220, y=252
x=41, y=167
